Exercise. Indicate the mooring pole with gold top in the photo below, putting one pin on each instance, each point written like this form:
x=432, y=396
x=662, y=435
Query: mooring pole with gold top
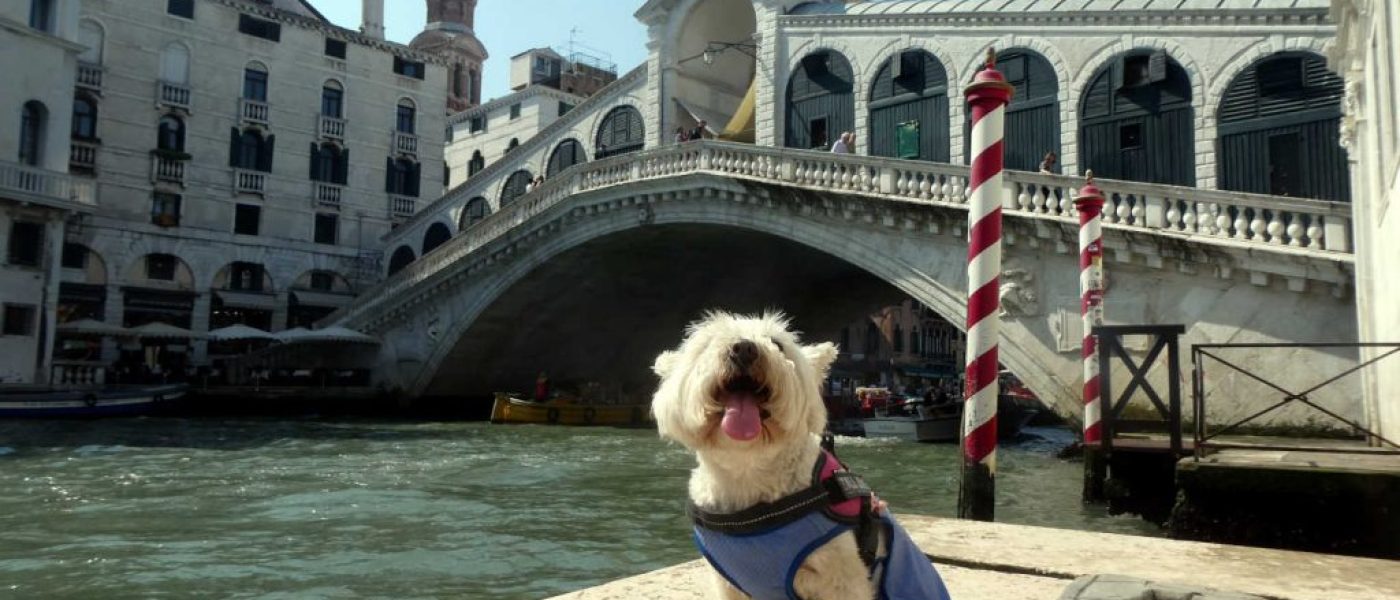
x=987, y=98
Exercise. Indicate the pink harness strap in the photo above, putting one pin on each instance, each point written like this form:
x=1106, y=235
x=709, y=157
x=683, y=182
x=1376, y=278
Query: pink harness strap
x=846, y=508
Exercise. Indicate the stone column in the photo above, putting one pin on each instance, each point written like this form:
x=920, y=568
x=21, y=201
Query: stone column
x=199, y=323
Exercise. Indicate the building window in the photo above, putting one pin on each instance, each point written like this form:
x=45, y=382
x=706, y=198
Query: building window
x=477, y=163
x=327, y=228
x=84, y=118
x=515, y=111
x=872, y=340
x=408, y=68
x=160, y=267
x=26, y=243
x=19, y=319
x=31, y=132
x=170, y=136
x=332, y=100
x=514, y=142
x=478, y=124
x=74, y=256
x=256, y=27
x=564, y=108
x=1280, y=76
x=335, y=48
x=245, y=277
x=180, y=8
x=402, y=179
x=817, y=132
x=329, y=163
x=165, y=209
x=405, y=117
x=898, y=339
x=41, y=14
x=1130, y=136
x=255, y=84
x=250, y=150
x=322, y=281
x=246, y=219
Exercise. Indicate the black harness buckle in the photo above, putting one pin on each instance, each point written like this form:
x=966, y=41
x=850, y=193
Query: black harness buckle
x=845, y=485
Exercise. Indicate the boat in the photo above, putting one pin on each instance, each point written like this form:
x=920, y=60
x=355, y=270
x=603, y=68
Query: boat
x=921, y=421
x=105, y=402
x=509, y=409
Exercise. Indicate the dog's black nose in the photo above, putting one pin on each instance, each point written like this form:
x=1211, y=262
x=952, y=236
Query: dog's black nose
x=742, y=354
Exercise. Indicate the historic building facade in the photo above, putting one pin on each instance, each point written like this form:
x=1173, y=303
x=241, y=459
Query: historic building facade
x=42, y=41
x=450, y=35
x=248, y=157
x=904, y=346
x=1368, y=53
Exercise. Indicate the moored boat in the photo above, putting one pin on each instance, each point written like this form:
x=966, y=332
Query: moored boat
x=508, y=409
x=105, y=402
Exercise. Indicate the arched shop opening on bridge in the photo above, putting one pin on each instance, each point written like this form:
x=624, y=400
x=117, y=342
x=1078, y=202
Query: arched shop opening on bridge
x=909, y=108
x=515, y=186
x=821, y=100
x=1136, y=121
x=401, y=258
x=437, y=235
x=1279, y=122
x=476, y=209
x=1032, y=123
x=622, y=131
x=714, y=75
x=567, y=154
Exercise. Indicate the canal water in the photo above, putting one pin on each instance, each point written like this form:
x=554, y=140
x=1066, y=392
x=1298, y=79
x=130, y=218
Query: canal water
x=251, y=508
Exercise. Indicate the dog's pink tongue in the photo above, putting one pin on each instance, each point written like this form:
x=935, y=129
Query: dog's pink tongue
x=741, y=416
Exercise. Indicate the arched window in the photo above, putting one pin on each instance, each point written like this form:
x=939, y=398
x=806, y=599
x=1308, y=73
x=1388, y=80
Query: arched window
x=1271, y=116
x=514, y=143
x=1032, y=117
x=437, y=235
x=255, y=82
x=1136, y=120
x=401, y=258
x=332, y=100
x=820, y=100
x=478, y=162
x=329, y=163
x=84, y=118
x=476, y=209
x=898, y=339
x=914, y=341
x=872, y=340
x=249, y=149
x=403, y=177
x=171, y=134
x=459, y=84
x=621, y=131
x=33, y=121
x=90, y=35
x=909, y=108
x=567, y=154
x=515, y=186
x=175, y=64
x=406, y=117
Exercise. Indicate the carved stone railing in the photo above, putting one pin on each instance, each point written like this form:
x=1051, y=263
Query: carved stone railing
x=249, y=182
x=405, y=143
x=330, y=128
x=23, y=182
x=173, y=95
x=82, y=155
x=78, y=373
x=402, y=207
x=1269, y=222
x=327, y=195
x=89, y=76
x=168, y=170
x=253, y=112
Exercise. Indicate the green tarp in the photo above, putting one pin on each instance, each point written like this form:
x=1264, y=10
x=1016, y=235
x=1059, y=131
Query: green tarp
x=907, y=139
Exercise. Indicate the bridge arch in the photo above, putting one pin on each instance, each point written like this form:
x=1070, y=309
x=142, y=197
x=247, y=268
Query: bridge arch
x=1268, y=114
x=909, y=107
x=402, y=257
x=567, y=154
x=820, y=100
x=1136, y=120
x=473, y=212
x=438, y=233
x=514, y=187
x=621, y=131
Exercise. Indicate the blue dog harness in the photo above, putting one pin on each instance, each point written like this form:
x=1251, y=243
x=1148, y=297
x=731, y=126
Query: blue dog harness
x=759, y=549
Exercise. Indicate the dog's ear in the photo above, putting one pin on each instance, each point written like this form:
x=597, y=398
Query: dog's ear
x=821, y=356
x=664, y=362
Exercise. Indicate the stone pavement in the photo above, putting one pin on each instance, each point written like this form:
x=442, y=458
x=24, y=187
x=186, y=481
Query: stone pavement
x=997, y=561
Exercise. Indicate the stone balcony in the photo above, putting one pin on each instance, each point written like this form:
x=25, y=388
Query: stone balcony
x=405, y=143
x=402, y=208
x=246, y=181
x=253, y=112
x=167, y=170
x=89, y=77
x=173, y=95
x=330, y=128
x=82, y=156
x=327, y=195
x=49, y=188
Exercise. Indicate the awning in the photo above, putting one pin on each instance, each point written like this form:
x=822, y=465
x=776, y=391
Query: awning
x=164, y=331
x=253, y=300
x=239, y=332
x=301, y=335
x=931, y=372
x=93, y=327
x=326, y=299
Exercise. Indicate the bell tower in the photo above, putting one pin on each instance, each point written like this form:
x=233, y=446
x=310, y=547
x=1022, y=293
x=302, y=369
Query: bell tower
x=450, y=34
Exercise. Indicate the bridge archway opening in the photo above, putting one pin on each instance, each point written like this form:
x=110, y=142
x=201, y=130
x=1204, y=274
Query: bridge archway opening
x=603, y=310
x=621, y=131
x=909, y=108
x=402, y=257
x=437, y=235
x=476, y=209
x=715, y=68
x=1268, y=114
x=567, y=154
x=1136, y=121
x=515, y=186
x=821, y=101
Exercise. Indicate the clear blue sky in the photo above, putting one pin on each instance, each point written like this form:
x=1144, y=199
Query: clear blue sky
x=509, y=27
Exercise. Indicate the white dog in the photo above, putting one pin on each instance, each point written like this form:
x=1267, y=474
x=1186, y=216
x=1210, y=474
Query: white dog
x=775, y=514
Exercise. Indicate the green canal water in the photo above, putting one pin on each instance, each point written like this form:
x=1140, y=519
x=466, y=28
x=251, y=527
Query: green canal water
x=359, y=509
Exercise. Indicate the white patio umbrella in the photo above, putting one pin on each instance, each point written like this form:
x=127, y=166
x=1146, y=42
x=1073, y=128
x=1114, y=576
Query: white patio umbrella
x=335, y=334
x=234, y=333
x=164, y=331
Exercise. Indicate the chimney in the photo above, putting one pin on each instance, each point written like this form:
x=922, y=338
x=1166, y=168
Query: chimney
x=372, y=19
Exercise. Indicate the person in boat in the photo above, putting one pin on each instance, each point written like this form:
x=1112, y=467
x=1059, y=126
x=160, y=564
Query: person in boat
x=542, y=388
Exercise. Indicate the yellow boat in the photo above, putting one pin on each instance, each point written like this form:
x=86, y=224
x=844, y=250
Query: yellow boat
x=515, y=410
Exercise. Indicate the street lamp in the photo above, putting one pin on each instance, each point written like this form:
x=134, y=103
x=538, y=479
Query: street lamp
x=713, y=49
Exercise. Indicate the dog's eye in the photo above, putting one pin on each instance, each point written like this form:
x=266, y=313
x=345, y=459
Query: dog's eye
x=779, y=344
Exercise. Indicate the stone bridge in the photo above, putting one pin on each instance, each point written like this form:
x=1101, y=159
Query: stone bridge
x=598, y=269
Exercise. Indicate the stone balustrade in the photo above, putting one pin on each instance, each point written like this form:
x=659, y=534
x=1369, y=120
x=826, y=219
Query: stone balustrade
x=89, y=76
x=41, y=185
x=327, y=195
x=402, y=207
x=1209, y=216
x=82, y=155
x=331, y=128
x=168, y=170
x=253, y=112
x=249, y=182
x=174, y=95
x=405, y=143
x=78, y=373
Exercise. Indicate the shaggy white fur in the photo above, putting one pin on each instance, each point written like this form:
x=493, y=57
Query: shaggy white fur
x=735, y=473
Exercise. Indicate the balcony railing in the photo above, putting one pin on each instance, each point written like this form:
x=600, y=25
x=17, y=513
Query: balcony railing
x=405, y=143
x=253, y=111
x=174, y=95
x=168, y=170
x=90, y=76
x=249, y=182
x=82, y=155
x=402, y=207
x=22, y=182
x=331, y=128
x=327, y=195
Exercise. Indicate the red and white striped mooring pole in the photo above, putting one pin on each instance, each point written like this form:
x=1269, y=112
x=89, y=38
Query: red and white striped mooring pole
x=988, y=96
x=1089, y=203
